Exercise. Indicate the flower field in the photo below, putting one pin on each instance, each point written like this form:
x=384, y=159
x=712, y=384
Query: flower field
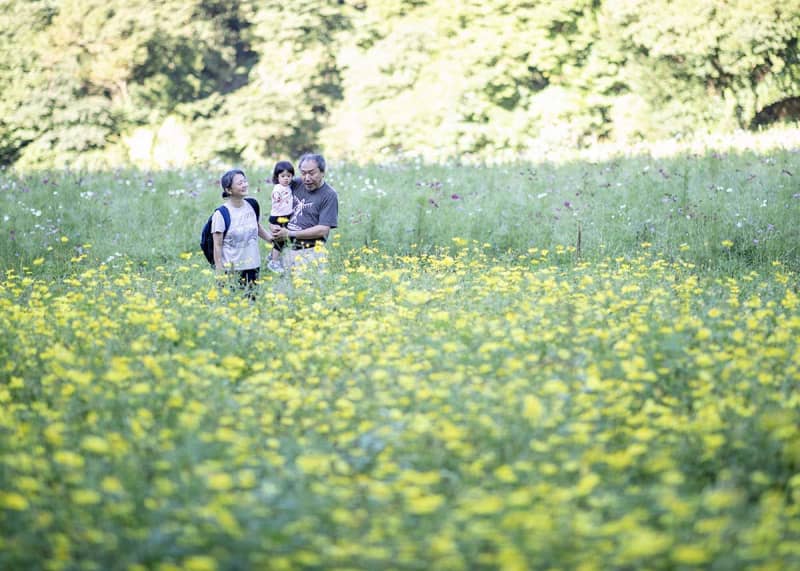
x=447, y=411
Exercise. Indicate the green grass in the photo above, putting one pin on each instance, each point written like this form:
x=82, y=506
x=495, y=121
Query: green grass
x=463, y=388
x=722, y=212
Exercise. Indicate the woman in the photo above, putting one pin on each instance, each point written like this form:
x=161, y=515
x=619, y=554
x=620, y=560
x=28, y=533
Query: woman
x=236, y=244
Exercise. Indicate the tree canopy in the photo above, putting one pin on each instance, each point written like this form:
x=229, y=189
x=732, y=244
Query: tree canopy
x=99, y=82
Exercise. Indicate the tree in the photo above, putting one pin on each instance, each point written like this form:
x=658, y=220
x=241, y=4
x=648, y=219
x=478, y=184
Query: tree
x=95, y=82
x=289, y=92
x=22, y=102
x=699, y=62
x=469, y=78
x=100, y=68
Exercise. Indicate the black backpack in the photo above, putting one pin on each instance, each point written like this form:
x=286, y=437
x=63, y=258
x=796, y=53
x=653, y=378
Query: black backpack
x=207, y=239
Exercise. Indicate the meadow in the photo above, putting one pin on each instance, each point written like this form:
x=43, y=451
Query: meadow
x=580, y=365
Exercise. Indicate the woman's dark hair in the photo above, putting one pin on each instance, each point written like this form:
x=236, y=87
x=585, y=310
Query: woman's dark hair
x=281, y=166
x=227, y=180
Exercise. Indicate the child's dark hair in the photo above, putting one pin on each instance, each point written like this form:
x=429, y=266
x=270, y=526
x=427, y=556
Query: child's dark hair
x=281, y=166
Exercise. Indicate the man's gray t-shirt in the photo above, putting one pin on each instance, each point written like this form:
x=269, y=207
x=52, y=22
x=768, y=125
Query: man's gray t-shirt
x=320, y=206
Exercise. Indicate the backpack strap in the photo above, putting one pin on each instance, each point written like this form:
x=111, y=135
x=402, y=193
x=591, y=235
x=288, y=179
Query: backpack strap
x=254, y=203
x=226, y=218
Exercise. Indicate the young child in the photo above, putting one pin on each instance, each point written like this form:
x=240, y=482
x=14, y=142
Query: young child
x=282, y=200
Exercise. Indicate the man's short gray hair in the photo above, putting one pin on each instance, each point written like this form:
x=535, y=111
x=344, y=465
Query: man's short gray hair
x=319, y=159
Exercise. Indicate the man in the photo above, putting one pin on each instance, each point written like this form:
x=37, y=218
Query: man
x=315, y=212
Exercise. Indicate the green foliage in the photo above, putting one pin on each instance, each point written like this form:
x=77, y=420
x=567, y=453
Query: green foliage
x=107, y=82
x=478, y=79
x=20, y=25
x=290, y=90
x=696, y=61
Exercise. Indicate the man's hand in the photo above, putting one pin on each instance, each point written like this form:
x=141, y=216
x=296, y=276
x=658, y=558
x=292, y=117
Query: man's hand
x=279, y=233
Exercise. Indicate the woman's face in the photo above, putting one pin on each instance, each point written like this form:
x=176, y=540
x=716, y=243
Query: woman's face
x=239, y=185
x=284, y=178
